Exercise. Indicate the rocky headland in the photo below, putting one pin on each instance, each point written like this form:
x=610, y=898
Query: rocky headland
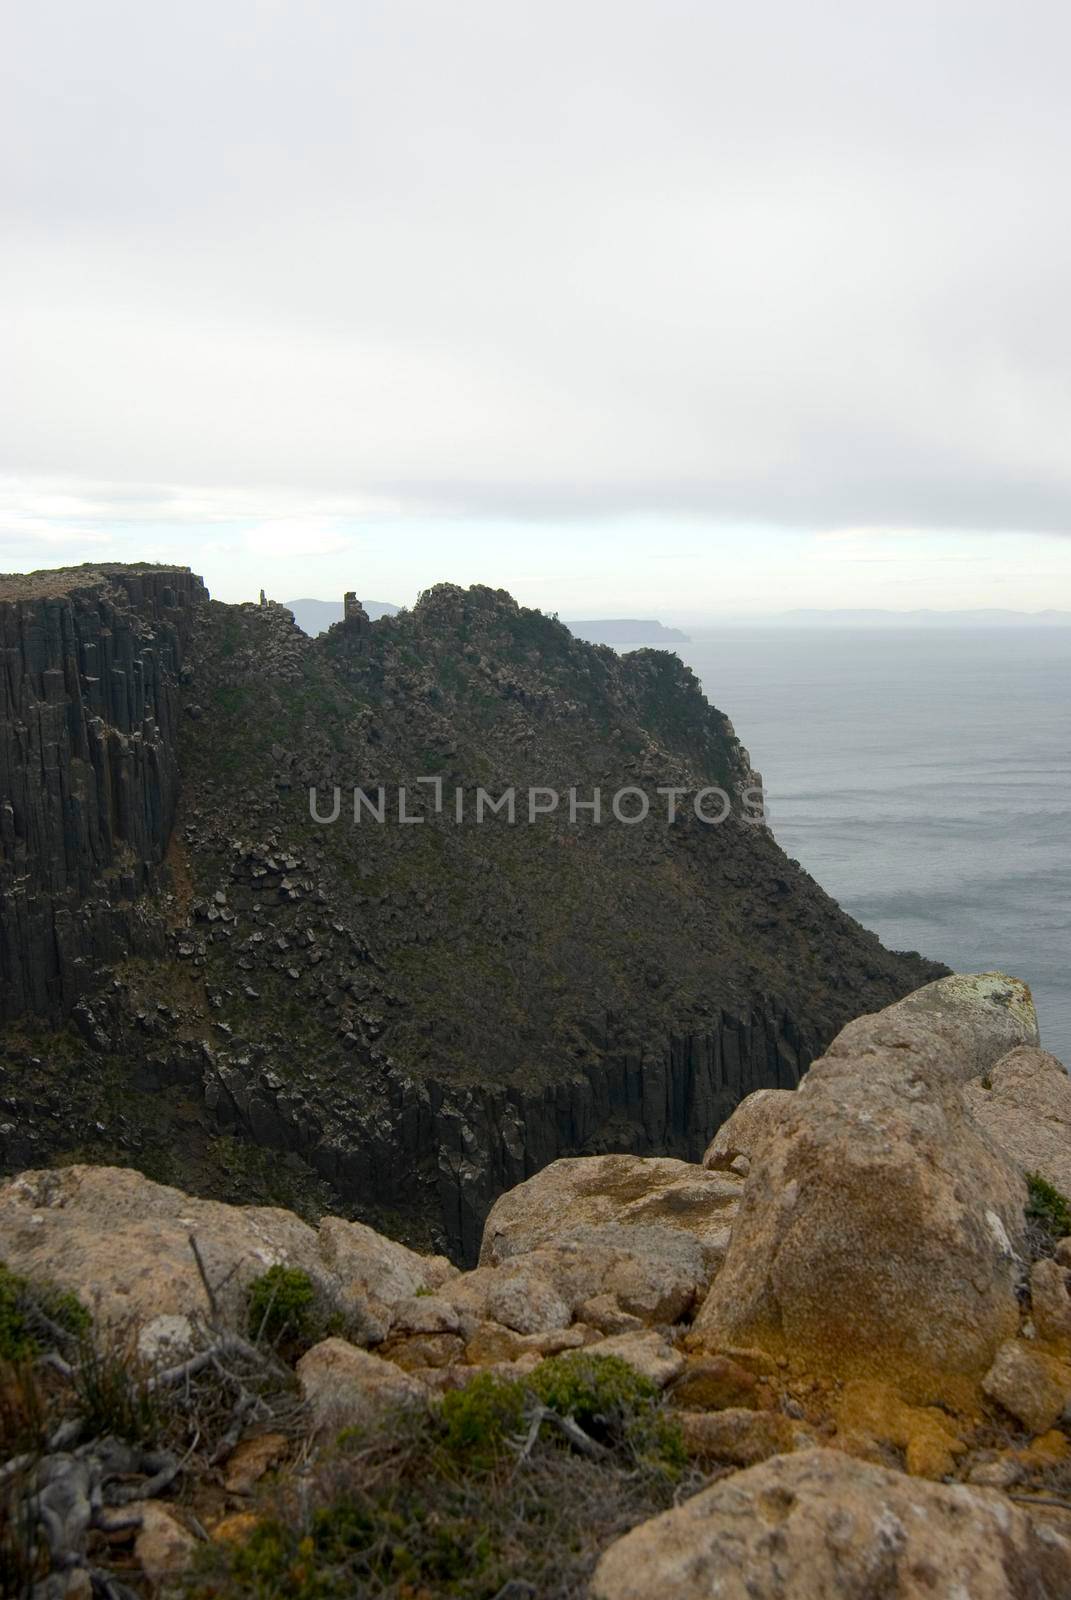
x=398, y=1021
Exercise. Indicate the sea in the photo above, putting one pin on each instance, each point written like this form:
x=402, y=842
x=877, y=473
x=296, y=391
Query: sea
x=923, y=777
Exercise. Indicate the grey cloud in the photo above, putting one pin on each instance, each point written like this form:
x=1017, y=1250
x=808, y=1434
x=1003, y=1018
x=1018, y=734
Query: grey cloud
x=801, y=263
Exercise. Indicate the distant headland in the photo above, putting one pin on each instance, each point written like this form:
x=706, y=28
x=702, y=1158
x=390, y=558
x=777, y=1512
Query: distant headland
x=626, y=630
x=316, y=616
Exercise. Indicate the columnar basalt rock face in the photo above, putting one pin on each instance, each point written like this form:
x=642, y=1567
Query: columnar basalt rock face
x=89, y=704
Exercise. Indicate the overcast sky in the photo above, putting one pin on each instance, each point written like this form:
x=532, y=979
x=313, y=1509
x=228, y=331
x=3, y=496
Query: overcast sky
x=688, y=306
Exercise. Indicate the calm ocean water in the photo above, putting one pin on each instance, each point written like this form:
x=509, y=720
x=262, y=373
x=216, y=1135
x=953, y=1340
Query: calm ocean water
x=924, y=778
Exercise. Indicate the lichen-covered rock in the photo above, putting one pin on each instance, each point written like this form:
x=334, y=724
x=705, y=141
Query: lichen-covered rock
x=163, y=1547
x=1024, y=1104
x=424, y=1313
x=646, y=1353
x=818, y=1523
x=346, y=1387
x=745, y=1133
x=955, y=1028
x=1050, y=1305
x=872, y=1409
x=651, y=1274
x=1030, y=1384
x=712, y=1383
x=879, y=1231
x=376, y=1273
x=122, y=1244
x=626, y=1191
x=737, y=1435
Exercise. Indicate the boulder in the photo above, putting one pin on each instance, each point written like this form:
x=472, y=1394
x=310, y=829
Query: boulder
x=711, y=1383
x=346, y=1387
x=1050, y=1305
x=955, y=1029
x=424, y=1313
x=745, y=1133
x=122, y=1244
x=818, y=1523
x=879, y=1231
x=415, y=1352
x=646, y=1353
x=1024, y=1104
x=251, y=1459
x=163, y=1547
x=627, y=1191
x=376, y=1273
x=1030, y=1384
x=652, y=1275
x=737, y=1435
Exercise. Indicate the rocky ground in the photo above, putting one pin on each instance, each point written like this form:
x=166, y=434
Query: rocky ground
x=833, y=1357
x=393, y=1022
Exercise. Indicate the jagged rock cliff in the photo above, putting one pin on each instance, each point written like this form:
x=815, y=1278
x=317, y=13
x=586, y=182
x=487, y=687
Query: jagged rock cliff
x=89, y=668
x=414, y=1014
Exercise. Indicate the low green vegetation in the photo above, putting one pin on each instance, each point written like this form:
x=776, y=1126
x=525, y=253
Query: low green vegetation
x=286, y=1311
x=1047, y=1209
x=482, y=1496
x=35, y=1316
x=283, y=1305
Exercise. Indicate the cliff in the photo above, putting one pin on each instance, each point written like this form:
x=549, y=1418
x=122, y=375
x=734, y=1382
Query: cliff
x=402, y=1018
x=89, y=689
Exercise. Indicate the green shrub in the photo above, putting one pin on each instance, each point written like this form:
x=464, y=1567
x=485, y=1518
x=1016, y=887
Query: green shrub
x=412, y=1539
x=613, y=1403
x=591, y=1388
x=438, y=1503
x=275, y=1563
x=35, y=1315
x=283, y=1305
x=1046, y=1207
x=603, y=1394
x=479, y=1418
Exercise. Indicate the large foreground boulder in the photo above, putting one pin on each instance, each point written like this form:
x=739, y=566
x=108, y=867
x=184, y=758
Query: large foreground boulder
x=955, y=1028
x=628, y=1191
x=880, y=1229
x=121, y=1243
x=818, y=1523
x=1024, y=1104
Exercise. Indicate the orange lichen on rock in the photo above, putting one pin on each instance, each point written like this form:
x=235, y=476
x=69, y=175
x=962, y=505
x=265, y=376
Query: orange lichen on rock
x=874, y=1410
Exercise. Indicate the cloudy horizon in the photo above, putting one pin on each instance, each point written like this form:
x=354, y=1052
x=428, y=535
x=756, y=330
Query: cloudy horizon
x=675, y=309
